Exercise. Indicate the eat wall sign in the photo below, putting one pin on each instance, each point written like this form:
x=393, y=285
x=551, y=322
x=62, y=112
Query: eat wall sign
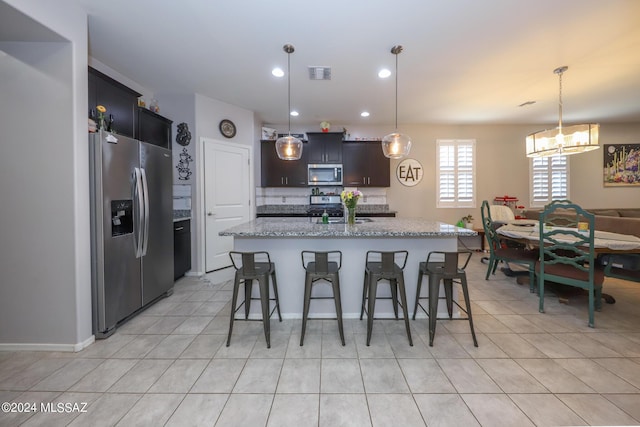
x=409, y=172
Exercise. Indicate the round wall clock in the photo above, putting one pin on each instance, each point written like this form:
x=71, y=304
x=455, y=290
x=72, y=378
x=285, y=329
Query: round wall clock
x=227, y=128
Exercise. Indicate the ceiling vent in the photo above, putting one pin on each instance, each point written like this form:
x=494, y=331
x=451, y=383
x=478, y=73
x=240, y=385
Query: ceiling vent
x=319, y=73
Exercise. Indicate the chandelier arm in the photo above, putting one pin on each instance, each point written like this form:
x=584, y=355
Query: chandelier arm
x=560, y=103
x=289, y=90
x=397, y=91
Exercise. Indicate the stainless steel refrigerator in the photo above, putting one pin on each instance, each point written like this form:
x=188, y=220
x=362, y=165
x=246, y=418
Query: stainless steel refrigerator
x=131, y=227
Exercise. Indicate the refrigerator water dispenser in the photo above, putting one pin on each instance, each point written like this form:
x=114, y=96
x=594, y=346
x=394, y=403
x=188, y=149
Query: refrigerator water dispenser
x=121, y=217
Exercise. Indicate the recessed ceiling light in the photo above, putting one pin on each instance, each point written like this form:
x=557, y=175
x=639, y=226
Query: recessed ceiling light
x=277, y=72
x=294, y=113
x=365, y=114
x=384, y=73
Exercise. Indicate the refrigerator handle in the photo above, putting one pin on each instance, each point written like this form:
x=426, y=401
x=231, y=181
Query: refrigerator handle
x=145, y=186
x=137, y=195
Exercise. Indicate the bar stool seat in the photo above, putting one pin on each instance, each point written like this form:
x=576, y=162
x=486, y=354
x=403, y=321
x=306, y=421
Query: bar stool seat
x=252, y=266
x=326, y=267
x=445, y=269
x=382, y=266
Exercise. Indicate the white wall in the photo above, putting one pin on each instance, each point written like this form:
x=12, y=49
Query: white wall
x=180, y=108
x=502, y=168
x=587, y=172
x=45, y=295
x=209, y=112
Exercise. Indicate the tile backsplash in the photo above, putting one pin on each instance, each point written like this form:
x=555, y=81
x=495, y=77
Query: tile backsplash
x=181, y=197
x=300, y=196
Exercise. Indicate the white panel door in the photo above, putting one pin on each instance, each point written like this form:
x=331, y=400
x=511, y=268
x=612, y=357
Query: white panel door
x=227, y=193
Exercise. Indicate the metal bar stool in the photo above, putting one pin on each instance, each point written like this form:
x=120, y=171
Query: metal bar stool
x=252, y=266
x=322, y=266
x=382, y=266
x=446, y=269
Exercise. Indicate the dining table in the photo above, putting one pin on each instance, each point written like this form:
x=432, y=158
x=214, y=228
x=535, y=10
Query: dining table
x=604, y=242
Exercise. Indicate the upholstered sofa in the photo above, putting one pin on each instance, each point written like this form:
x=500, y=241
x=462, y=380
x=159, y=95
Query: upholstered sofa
x=624, y=221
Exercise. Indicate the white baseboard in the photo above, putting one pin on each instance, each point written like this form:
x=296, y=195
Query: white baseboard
x=72, y=348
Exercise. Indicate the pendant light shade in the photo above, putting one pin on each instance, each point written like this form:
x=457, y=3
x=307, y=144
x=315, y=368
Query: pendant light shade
x=396, y=145
x=289, y=147
x=562, y=140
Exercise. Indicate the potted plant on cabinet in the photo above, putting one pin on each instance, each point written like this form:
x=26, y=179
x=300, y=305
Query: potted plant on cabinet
x=466, y=221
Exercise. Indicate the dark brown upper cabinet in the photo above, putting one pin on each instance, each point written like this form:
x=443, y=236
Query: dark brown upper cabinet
x=276, y=172
x=365, y=165
x=119, y=100
x=324, y=147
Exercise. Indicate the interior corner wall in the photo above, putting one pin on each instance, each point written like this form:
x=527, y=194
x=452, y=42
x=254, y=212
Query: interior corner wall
x=180, y=108
x=587, y=171
x=209, y=112
x=45, y=294
x=502, y=168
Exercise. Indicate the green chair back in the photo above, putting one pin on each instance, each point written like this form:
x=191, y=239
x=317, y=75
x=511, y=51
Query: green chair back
x=489, y=229
x=566, y=254
x=498, y=253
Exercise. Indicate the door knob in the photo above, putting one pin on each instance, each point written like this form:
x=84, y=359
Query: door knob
x=210, y=214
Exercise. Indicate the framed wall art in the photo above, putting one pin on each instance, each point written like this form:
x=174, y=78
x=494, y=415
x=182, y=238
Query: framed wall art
x=621, y=165
x=269, y=133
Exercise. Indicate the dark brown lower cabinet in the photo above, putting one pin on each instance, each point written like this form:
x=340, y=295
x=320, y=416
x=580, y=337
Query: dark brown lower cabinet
x=181, y=248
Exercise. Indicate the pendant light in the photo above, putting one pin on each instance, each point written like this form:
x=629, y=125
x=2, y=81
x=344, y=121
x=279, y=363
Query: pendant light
x=396, y=145
x=289, y=147
x=562, y=140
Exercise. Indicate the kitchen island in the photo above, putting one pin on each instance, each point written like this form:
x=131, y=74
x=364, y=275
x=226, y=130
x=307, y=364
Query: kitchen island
x=285, y=238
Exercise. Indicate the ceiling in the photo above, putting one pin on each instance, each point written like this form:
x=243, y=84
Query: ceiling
x=464, y=61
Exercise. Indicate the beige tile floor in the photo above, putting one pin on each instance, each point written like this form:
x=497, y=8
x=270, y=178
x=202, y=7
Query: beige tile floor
x=169, y=366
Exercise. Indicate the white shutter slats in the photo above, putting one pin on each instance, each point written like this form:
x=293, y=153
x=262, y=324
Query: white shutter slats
x=455, y=173
x=549, y=179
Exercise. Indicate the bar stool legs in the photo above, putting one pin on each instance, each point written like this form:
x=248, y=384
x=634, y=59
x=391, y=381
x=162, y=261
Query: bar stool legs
x=448, y=273
x=248, y=270
x=318, y=267
x=385, y=269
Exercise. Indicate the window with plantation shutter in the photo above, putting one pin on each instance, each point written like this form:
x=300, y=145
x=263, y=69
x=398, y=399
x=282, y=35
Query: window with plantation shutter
x=549, y=180
x=456, y=173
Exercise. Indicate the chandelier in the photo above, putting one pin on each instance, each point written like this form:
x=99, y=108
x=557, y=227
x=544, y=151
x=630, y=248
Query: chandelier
x=562, y=140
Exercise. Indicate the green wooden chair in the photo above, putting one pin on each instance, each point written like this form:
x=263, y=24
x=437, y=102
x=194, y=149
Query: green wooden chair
x=567, y=255
x=499, y=252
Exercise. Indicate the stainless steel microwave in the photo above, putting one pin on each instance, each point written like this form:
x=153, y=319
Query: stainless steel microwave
x=324, y=174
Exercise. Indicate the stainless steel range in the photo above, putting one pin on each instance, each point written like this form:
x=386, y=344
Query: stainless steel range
x=330, y=203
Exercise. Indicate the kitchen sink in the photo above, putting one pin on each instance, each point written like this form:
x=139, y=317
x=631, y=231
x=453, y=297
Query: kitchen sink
x=342, y=221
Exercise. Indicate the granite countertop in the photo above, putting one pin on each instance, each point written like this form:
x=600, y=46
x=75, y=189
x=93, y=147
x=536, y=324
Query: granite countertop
x=181, y=214
x=377, y=227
